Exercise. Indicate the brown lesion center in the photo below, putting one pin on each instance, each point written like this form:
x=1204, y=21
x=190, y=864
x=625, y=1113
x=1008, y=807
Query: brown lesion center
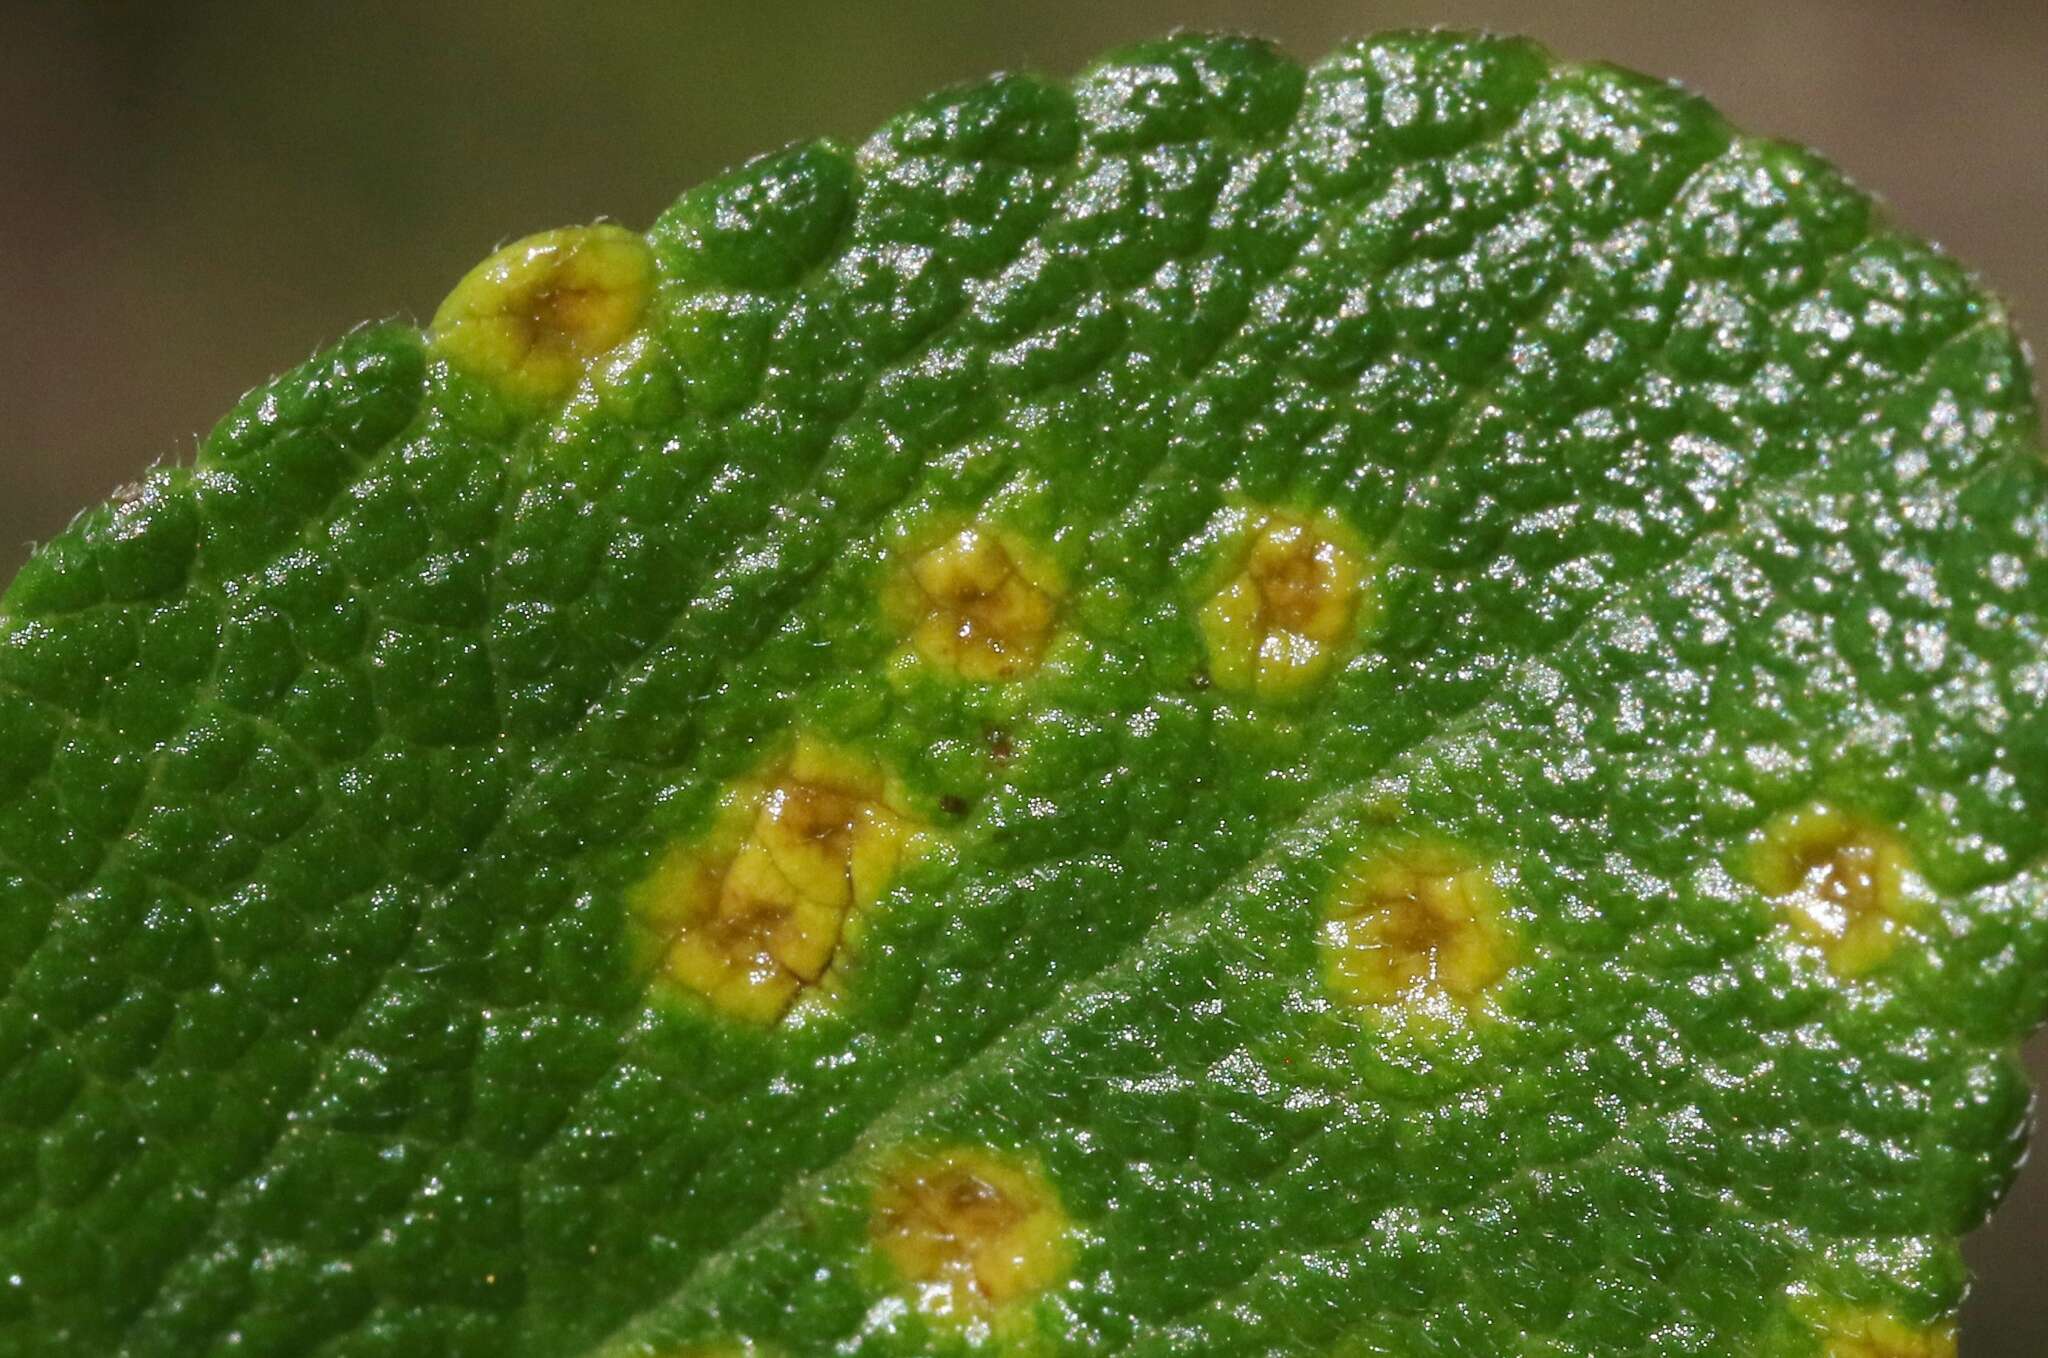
x=1296, y=575
x=1845, y=874
x=565, y=318
x=822, y=818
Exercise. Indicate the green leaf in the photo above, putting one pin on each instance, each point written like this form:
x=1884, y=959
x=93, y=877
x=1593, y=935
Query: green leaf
x=1391, y=709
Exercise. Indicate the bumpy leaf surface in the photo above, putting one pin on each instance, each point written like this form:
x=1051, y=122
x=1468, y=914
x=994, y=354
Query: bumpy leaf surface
x=1390, y=709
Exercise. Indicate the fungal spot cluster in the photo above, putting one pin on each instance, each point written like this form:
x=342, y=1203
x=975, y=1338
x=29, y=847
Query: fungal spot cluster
x=1284, y=600
x=532, y=318
x=968, y=1230
x=979, y=602
x=753, y=915
x=1415, y=928
x=1840, y=879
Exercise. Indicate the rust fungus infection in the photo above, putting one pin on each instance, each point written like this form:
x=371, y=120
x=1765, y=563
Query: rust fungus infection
x=1415, y=928
x=1875, y=1334
x=1285, y=597
x=753, y=914
x=532, y=318
x=969, y=1230
x=980, y=602
x=1841, y=879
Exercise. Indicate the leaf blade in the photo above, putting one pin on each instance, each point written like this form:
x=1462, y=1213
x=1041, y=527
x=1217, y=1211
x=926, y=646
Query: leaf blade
x=1657, y=453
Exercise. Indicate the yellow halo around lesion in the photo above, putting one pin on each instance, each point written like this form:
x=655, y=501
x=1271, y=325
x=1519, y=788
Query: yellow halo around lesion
x=1843, y=880
x=753, y=914
x=978, y=600
x=532, y=318
x=1283, y=600
x=969, y=1231
x=1415, y=928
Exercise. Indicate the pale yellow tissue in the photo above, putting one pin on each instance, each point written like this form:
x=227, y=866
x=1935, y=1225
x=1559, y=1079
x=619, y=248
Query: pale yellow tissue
x=1843, y=880
x=1407, y=926
x=1876, y=1334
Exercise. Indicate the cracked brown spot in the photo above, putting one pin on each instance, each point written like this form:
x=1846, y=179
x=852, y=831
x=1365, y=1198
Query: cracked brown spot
x=754, y=913
x=979, y=602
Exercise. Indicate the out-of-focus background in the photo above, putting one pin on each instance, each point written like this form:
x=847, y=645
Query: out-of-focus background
x=194, y=195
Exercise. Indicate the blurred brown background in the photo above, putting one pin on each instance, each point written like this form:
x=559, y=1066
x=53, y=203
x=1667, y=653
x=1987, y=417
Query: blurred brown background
x=195, y=195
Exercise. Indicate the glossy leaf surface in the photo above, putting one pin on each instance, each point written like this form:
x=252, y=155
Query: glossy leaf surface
x=1385, y=709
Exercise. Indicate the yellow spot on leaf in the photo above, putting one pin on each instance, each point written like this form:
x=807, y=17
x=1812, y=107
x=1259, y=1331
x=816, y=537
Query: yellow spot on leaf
x=532, y=318
x=1874, y=1334
x=979, y=602
x=1841, y=879
x=755, y=912
x=1414, y=926
x=969, y=1230
x=1286, y=596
